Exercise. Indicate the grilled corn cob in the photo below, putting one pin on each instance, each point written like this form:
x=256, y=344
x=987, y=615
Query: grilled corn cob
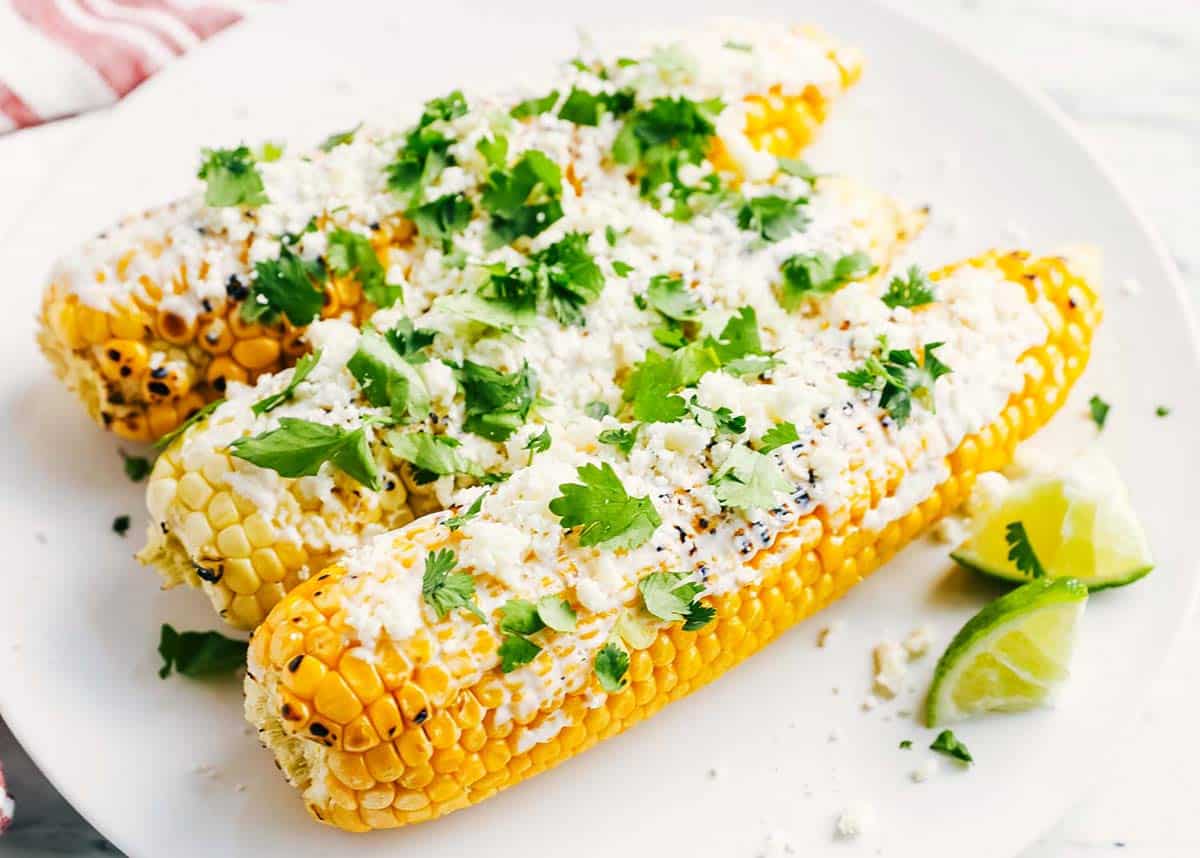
x=247, y=536
x=385, y=710
x=150, y=321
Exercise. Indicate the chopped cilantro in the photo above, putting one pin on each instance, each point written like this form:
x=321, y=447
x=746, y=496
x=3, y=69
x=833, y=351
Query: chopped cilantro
x=900, y=379
x=269, y=151
x=798, y=168
x=947, y=743
x=232, y=178
x=441, y=219
x=1020, y=550
x=339, y=138
x=298, y=448
x=120, y=525
x=906, y=744
x=409, y=340
x=738, y=46
x=569, y=277
x=498, y=313
x=535, y=106
x=1098, y=408
x=720, y=421
x=454, y=522
x=425, y=151
x=287, y=285
x=539, y=443
x=773, y=217
x=582, y=107
x=621, y=269
x=137, y=468
x=497, y=403
x=431, y=456
x=608, y=515
x=303, y=367
x=1161, y=411
x=516, y=651
x=749, y=480
x=596, y=409
x=386, y=378
x=198, y=654
x=807, y=274
x=520, y=617
x=611, y=664
x=675, y=597
x=779, y=435
x=350, y=254
x=556, y=612
x=914, y=289
x=522, y=201
x=445, y=590
x=667, y=295
x=622, y=439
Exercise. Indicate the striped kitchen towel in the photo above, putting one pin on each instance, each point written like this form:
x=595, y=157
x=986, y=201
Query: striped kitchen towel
x=63, y=57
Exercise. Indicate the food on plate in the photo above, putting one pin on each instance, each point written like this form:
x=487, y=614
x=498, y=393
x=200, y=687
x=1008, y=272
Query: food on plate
x=1010, y=656
x=158, y=315
x=1076, y=522
x=740, y=476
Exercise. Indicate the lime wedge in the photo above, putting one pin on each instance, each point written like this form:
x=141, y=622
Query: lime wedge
x=1079, y=523
x=1010, y=656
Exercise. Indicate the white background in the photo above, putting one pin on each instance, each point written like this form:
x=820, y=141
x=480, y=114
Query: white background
x=1129, y=74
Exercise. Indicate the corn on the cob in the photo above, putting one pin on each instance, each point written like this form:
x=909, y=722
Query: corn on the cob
x=147, y=323
x=380, y=732
x=247, y=546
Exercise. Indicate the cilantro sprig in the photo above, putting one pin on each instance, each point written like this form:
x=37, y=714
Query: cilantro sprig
x=497, y=403
x=520, y=618
x=351, y=254
x=779, y=435
x=286, y=285
x=522, y=200
x=1020, y=550
x=914, y=289
x=386, y=374
x=298, y=448
x=445, y=590
x=610, y=666
x=232, y=178
x=773, y=217
x=900, y=378
x=808, y=274
x=198, y=654
x=606, y=514
x=675, y=597
x=431, y=456
x=425, y=152
x=303, y=368
x=749, y=480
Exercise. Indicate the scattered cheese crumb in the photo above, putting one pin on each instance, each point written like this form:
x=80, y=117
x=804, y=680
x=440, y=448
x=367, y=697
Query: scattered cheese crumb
x=925, y=771
x=870, y=703
x=918, y=641
x=890, y=669
x=835, y=735
x=777, y=843
x=1131, y=287
x=832, y=630
x=854, y=821
x=713, y=774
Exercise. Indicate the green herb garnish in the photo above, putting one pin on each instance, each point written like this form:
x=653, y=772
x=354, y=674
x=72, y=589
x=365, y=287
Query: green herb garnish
x=900, y=379
x=914, y=289
x=607, y=515
x=773, y=217
x=351, y=254
x=287, y=285
x=137, y=468
x=232, y=178
x=947, y=743
x=303, y=367
x=431, y=456
x=749, y=480
x=339, y=138
x=198, y=654
x=808, y=274
x=497, y=403
x=445, y=590
x=298, y=448
x=611, y=664
x=675, y=597
x=120, y=525
x=779, y=435
x=1098, y=408
x=1020, y=550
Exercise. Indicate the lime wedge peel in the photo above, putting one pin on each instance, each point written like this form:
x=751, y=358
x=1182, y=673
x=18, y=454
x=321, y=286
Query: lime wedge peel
x=1012, y=655
x=1079, y=521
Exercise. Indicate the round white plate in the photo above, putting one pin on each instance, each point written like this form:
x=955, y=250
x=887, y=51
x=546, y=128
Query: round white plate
x=782, y=745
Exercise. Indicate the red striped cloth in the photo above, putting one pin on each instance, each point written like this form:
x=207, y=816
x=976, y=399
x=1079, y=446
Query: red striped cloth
x=63, y=57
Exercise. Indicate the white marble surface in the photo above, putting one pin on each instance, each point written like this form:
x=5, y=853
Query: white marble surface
x=1129, y=74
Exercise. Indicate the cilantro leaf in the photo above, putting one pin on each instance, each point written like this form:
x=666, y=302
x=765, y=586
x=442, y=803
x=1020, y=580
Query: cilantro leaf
x=655, y=378
x=520, y=617
x=445, y=590
x=720, y=421
x=596, y=409
x=582, y=107
x=569, y=277
x=749, y=480
x=198, y=654
x=773, y=217
x=286, y=285
x=900, y=379
x=1162, y=411
x=610, y=518
x=303, y=367
x=339, y=138
x=808, y=274
x=947, y=743
x=388, y=380
x=424, y=154
x=269, y=151
x=539, y=443
x=622, y=439
x=497, y=403
x=674, y=597
x=457, y=521
x=621, y=269
x=137, y=468
x=798, y=168
x=120, y=525
x=557, y=613
x=352, y=255
x=431, y=456
x=522, y=201
x=409, y=340
x=1020, y=550
x=610, y=665
x=779, y=435
x=914, y=289
x=535, y=106
x=440, y=219
x=498, y=313
x=232, y=177
x=516, y=651
x=298, y=448
x=739, y=339
x=670, y=298
x=1098, y=408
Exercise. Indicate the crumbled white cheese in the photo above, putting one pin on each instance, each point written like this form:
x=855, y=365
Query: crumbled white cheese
x=890, y=669
x=829, y=632
x=925, y=771
x=918, y=641
x=854, y=821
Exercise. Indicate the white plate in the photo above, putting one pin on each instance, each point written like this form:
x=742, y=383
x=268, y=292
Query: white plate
x=785, y=733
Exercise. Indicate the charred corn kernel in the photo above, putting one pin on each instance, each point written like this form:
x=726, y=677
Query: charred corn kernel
x=447, y=765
